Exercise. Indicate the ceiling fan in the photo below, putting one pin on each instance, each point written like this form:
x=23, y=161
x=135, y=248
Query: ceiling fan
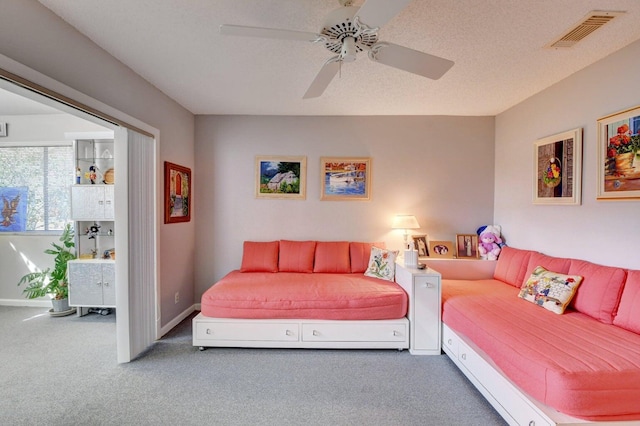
x=349, y=30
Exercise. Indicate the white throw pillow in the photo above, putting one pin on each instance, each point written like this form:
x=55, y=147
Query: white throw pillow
x=382, y=264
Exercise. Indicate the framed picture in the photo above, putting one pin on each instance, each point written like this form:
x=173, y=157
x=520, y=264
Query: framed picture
x=618, y=155
x=177, y=193
x=558, y=169
x=14, y=208
x=441, y=249
x=281, y=177
x=467, y=246
x=420, y=242
x=345, y=179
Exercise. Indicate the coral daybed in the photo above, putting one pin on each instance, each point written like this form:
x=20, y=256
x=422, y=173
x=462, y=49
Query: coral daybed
x=539, y=367
x=303, y=294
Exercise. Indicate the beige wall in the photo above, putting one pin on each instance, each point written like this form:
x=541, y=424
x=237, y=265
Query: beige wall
x=600, y=231
x=437, y=168
x=38, y=39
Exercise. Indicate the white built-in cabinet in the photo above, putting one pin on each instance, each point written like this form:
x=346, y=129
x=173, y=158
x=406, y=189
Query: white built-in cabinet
x=92, y=275
x=92, y=283
x=424, y=290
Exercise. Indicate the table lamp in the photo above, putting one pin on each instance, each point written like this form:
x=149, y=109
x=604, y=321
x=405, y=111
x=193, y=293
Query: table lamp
x=406, y=222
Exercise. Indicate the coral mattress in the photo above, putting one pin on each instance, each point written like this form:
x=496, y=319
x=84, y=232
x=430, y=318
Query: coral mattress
x=571, y=362
x=260, y=295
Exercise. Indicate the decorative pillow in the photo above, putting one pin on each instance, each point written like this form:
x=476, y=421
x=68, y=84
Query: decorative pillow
x=382, y=264
x=628, y=316
x=332, y=257
x=296, y=256
x=550, y=290
x=259, y=256
x=360, y=254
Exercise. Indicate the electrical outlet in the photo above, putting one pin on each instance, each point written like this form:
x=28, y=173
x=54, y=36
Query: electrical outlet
x=177, y=297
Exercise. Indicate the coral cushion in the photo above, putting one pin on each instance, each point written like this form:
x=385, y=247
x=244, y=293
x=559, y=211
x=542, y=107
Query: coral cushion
x=299, y=295
x=332, y=257
x=550, y=263
x=260, y=256
x=360, y=253
x=512, y=266
x=296, y=256
x=628, y=316
x=600, y=291
x=571, y=362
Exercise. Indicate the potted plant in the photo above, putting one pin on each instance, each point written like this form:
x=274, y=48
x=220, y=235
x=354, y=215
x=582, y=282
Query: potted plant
x=53, y=282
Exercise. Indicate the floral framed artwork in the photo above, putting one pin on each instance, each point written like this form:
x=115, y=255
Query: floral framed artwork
x=441, y=249
x=618, y=155
x=467, y=246
x=177, y=193
x=281, y=177
x=420, y=243
x=558, y=169
x=345, y=178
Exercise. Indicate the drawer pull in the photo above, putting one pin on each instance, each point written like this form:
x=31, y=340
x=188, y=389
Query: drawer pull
x=106, y=284
x=316, y=333
x=289, y=333
x=99, y=283
x=450, y=342
x=396, y=333
x=532, y=423
x=463, y=356
x=209, y=331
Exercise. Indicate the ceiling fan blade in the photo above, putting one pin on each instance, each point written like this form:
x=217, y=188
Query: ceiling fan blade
x=324, y=77
x=376, y=13
x=410, y=60
x=240, y=30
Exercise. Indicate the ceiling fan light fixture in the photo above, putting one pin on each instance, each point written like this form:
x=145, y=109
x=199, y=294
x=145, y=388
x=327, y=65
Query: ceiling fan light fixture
x=348, y=53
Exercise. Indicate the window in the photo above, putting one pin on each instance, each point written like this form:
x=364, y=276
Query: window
x=47, y=172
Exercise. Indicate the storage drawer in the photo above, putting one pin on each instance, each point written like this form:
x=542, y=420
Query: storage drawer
x=361, y=332
x=510, y=397
x=449, y=341
x=275, y=332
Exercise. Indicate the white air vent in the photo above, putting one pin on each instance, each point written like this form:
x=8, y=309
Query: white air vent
x=589, y=24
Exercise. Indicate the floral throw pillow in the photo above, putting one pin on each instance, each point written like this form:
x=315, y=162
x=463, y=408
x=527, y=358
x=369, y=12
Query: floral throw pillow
x=550, y=290
x=382, y=264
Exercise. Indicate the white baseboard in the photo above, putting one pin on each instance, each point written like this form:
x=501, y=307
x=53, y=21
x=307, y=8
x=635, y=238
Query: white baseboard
x=177, y=320
x=33, y=303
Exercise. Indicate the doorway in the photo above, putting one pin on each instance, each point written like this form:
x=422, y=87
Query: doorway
x=136, y=328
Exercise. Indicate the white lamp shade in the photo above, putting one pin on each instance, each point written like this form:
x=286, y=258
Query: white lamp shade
x=405, y=221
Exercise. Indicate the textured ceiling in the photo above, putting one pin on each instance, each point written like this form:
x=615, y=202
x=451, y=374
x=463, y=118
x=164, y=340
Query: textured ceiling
x=497, y=46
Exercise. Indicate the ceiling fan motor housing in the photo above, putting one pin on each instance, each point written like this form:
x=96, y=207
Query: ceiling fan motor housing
x=346, y=36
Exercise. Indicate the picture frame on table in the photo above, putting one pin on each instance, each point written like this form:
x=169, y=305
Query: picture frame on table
x=177, y=193
x=281, y=176
x=345, y=178
x=558, y=169
x=421, y=245
x=619, y=155
x=441, y=249
x=467, y=246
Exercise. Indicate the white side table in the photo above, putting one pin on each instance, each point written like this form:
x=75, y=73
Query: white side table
x=423, y=288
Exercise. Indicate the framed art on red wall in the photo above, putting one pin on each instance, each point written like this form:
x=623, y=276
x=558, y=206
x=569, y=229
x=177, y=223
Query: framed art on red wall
x=177, y=193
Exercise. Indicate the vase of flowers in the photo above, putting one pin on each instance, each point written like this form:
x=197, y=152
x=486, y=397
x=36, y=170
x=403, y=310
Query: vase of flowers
x=622, y=149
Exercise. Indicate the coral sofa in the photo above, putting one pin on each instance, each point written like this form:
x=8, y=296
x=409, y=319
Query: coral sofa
x=304, y=294
x=539, y=367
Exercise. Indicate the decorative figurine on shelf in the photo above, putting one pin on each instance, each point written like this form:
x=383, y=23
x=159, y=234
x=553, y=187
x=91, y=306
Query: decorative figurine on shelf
x=92, y=231
x=490, y=242
x=93, y=174
x=78, y=175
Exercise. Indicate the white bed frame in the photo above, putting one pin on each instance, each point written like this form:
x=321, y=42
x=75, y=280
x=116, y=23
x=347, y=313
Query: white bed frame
x=512, y=403
x=300, y=333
